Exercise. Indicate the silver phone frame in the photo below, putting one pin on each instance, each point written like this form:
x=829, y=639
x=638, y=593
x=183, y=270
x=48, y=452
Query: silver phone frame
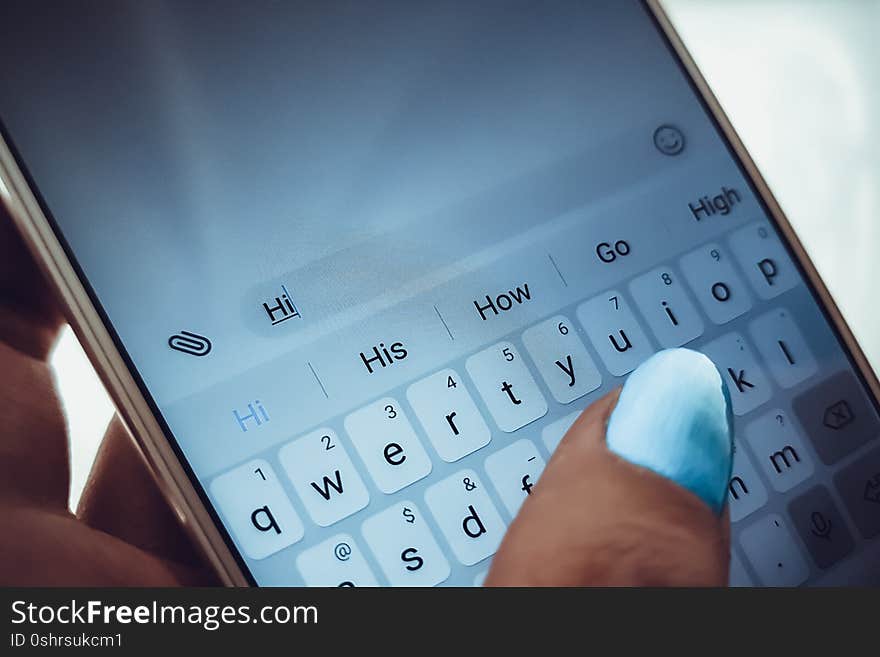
x=174, y=482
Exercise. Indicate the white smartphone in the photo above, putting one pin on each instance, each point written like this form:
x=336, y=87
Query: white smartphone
x=350, y=270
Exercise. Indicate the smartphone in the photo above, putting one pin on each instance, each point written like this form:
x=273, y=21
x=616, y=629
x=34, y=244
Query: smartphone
x=351, y=270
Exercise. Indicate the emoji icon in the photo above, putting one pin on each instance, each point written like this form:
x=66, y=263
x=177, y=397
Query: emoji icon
x=669, y=140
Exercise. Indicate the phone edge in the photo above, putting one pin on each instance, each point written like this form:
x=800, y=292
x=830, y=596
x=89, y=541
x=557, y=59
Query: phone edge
x=133, y=408
x=830, y=307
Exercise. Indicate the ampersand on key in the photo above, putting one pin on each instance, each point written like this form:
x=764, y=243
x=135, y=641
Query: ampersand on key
x=468, y=484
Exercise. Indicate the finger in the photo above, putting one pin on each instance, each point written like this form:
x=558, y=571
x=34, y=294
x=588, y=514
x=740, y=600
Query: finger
x=34, y=465
x=34, y=468
x=611, y=509
x=121, y=498
x=55, y=549
x=30, y=317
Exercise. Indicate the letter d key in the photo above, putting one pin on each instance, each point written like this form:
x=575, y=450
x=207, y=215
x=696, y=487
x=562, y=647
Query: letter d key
x=466, y=516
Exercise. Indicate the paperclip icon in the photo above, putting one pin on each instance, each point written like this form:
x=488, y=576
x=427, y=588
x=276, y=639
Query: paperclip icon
x=190, y=343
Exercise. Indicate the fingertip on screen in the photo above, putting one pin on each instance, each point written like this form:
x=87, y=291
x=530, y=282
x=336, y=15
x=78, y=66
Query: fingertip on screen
x=674, y=417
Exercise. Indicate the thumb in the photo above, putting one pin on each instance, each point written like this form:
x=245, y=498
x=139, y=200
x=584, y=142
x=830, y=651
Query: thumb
x=634, y=494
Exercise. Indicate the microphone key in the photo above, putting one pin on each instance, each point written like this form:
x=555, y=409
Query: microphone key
x=821, y=526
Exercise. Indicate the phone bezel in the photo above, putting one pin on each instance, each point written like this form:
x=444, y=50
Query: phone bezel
x=134, y=404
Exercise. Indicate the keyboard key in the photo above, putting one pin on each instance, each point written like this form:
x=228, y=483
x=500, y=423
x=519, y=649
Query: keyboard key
x=449, y=415
x=562, y=359
x=507, y=387
x=660, y=297
x=554, y=432
x=773, y=554
x=837, y=417
x=859, y=487
x=745, y=493
x=738, y=576
x=514, y=470
x=255, y=508
x=404, y=546
x=466, y=516
x=764, y=260
x=615, y=333
x=389, y=447
x=719, y=289
x=324, y=477
x=338, y=561
x=783, y=348
x=746, y=381
x=821, y=526
x=781, y=453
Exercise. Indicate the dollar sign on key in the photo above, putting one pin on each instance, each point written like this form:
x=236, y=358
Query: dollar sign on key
x=409, y=515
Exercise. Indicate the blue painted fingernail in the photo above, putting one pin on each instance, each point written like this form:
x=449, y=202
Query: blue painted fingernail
x=673, y=417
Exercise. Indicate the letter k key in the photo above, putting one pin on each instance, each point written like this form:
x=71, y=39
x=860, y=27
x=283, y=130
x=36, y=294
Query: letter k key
x=739, y=379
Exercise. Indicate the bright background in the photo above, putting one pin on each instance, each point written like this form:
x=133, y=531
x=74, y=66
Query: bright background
x=800, y=81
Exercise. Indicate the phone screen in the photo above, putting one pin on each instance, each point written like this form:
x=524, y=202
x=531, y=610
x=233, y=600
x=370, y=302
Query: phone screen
x=369, y=261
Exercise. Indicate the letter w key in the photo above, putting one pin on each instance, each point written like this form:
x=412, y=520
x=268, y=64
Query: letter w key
x=324, y=489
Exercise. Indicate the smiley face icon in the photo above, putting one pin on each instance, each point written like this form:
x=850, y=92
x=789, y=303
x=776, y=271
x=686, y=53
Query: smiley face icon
x=669, y=140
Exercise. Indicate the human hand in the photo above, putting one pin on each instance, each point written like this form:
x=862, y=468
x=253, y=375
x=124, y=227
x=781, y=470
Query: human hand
x=123, y=532
x=644, y=506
